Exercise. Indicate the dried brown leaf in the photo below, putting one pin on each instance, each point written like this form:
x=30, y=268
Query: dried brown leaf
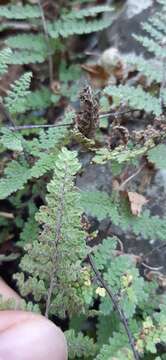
x=136, y=202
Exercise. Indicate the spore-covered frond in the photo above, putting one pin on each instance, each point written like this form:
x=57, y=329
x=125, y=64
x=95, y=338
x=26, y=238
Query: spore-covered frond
x=15, y=100
x=136, y=98
x=20, y=12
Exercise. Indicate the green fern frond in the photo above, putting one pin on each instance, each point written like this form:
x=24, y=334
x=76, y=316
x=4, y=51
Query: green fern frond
x=136, y=97
x=15, y=100
x=38, y=100
x=16, y=176
x=27, y=57
x=157, y=156
x=80, y=346
x=76, y=27
x=27, y=48
x=11, y=141
x=121, y=276
x=151, y=46
x=30, y=231
x=20, y=12
x=151, y=69
x=5, y=55
x=44, y=150
x=121, y=154
x=91, y=11
x=50, y=254
x=28, y=42
x=118, y=348
x=101, y=205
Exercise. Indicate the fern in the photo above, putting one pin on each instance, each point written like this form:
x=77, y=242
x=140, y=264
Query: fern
x=16, y=176
x=38, y=100
x=89, y=11
x=157, y=156
x=76, y=27
x=100, y=205
x=5, y=55
x=136, y=98
x=27, y=49
x=11, y=141
x=151, y=69
x=153, y=330
x=122, y=277
x=44, y=150
x=117, y=348
x=57, y=279
x=15, y=100
x=27, y=41
x=80, y=346
x=20, y=12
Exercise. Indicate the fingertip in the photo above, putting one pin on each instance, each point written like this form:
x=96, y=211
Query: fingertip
x=32, y=337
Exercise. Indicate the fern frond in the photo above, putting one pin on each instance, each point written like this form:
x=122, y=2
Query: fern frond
x=27, y=48
x=122, y=277
x=20, y=12
x=151, y=69
x=136, y=97
x=76, y=27
x=91, y=11
x=44, y=150
x=15, y=100
x=118, y=348
x=157, y=156
x=100, y=205
x=16, y=176
x=28, y=42
x=151, y=45
x=53, y=274
x=80, y=346
x=38, y=100
x=11, y=141
x=27, y=57
x=5, y=55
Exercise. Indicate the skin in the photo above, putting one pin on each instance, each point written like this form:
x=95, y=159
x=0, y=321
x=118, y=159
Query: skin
x=28, y=336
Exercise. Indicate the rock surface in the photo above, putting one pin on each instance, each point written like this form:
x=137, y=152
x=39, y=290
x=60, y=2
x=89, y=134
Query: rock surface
x=127, y=21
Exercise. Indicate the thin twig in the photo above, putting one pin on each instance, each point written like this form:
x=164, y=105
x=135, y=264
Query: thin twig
x=50, y=62
x=25, y=127
x=151, y=267
x=116, y=114
x=116, y=306
x=6, y=215
x=131, y=177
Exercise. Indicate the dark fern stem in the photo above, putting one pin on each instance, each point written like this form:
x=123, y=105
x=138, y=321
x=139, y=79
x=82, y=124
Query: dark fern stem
x=116, y=306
